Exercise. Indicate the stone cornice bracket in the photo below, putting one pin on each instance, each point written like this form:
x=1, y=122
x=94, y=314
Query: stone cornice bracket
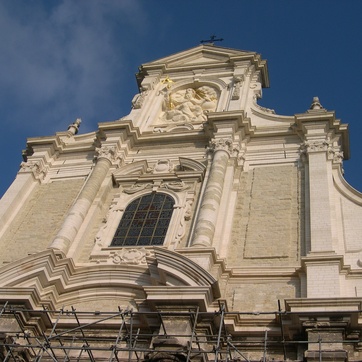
x=336, y=156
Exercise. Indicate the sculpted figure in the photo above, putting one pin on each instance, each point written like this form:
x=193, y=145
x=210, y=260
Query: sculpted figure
x=190, y=105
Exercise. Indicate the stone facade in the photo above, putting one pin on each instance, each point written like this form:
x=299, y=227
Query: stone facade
x=261, y=256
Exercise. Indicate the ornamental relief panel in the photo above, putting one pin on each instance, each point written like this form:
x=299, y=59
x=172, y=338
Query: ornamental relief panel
x=188, y=105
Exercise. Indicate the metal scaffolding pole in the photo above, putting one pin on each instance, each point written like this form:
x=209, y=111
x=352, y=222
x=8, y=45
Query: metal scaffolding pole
x=217, y=348
x=193, y=332
x=43, y=335
x=89, y=351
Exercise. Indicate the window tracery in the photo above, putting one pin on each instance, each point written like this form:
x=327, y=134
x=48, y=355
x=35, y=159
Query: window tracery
x=145, y=221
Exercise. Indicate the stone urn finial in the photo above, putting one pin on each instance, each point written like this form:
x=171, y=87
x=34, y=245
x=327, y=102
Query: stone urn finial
x=316, y=104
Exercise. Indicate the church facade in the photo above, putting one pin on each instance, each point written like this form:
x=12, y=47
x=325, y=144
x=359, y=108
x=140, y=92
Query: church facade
x=200, y=226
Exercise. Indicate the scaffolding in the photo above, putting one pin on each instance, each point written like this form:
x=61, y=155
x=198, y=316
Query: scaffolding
x=127, y=335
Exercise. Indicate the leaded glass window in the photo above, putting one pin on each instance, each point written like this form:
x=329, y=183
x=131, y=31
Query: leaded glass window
x=145, y=221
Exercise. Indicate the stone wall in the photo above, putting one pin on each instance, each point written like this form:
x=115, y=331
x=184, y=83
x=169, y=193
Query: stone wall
x=38, y=221
x=267, y=217
x=258, y=295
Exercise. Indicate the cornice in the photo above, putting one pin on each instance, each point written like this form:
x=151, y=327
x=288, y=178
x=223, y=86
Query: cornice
x=128, y=132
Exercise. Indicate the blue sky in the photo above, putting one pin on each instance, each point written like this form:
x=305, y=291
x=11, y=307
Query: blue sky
x=61, y=60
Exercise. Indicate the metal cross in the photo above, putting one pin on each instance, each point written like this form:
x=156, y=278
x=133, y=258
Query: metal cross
x=211, y=40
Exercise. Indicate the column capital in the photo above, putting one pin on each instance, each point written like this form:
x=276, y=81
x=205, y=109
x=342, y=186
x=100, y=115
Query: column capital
x=224, y=144
x=36, y=167
x=108, y=153
x=314, y=146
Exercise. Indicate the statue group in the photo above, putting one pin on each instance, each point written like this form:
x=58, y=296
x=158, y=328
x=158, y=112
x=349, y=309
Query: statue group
x=189, y=105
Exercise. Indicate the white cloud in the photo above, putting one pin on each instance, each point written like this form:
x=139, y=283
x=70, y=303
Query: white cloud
x=63, y=59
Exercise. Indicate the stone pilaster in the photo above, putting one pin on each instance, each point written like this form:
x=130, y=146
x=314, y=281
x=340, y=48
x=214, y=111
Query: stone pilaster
x=325, y=343
x=79, y=210
x=324, y=140
x=320, y=200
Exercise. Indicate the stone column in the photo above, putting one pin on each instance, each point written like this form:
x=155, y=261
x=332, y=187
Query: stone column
x=209, y=209
x=78, y=211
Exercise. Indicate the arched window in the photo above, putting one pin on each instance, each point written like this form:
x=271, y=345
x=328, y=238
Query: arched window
x=145, y=221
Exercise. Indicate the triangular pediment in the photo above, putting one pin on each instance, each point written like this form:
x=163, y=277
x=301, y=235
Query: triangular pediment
x=202, y=54
x=204, y=57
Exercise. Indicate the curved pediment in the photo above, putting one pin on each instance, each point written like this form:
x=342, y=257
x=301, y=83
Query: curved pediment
x=163, y=167
x=60, y=282
x=133, y=168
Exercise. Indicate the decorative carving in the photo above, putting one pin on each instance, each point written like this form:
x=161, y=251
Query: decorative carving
x=241, y=158
x=181, y=230
x=314, y=146
x=338, y=156
x=106, y=152
x=237, y=86
x=335, y=154
x=136, y=188
x=189, y=105
x=115, y=207
x=188, y=207
x=225, y=144
x=162, y=166
x=139, y=98
x=176, y=186
x=130, y=256
x=36, y=167
x=29, y=166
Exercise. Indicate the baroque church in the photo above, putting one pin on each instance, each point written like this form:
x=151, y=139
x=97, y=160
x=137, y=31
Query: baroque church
x=199, y=227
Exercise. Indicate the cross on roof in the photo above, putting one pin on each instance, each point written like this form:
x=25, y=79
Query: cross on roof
x=211, y=40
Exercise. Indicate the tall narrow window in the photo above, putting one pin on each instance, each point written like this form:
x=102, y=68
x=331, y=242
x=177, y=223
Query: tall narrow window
x=145, y=221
